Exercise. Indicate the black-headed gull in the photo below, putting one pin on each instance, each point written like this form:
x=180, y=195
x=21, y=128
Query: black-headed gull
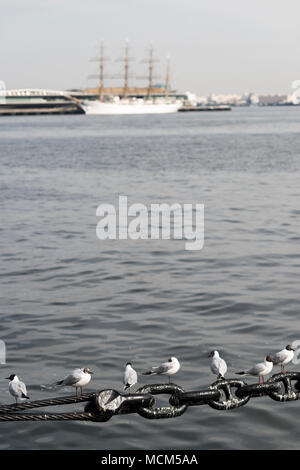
x=78, y=378
x=130, y=376
x=17, y=388
x=218, y=365
x=260, y=370
x=166, y=368
x=283, y=357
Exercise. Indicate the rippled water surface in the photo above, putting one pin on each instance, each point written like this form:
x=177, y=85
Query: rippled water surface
x=69, y=300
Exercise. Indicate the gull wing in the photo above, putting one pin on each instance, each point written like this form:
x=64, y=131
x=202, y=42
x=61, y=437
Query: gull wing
x=21, y=387
x=214, y=368
x=73, y=378
x=257, y=369
x=280, y=356
x=162, y=369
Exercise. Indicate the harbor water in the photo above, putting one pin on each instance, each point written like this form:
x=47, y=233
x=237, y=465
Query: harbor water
x=70, y=300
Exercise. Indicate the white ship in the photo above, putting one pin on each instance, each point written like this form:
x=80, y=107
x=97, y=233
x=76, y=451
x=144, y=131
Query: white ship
x=132, y=105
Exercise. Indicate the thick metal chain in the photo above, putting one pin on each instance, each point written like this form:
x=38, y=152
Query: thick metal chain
x=101, y=406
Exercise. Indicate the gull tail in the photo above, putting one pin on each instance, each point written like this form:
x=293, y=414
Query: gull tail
x=25, y=396
x=60, y=382
x=221, y=377
x=148, y=373
x=126, y=386
x=241, y=373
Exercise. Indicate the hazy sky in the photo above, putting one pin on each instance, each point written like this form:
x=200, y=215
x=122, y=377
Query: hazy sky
x=220, y=46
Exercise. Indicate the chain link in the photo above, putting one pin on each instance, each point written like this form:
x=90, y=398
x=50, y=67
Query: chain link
x=221, y=395
x=231, y=400
x=286, y=379
x=165, y=412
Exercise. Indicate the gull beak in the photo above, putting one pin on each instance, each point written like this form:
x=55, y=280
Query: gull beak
x=8, y=378
x=90, y=372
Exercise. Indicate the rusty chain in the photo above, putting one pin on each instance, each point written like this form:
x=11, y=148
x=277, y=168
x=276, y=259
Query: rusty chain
x=101, y=406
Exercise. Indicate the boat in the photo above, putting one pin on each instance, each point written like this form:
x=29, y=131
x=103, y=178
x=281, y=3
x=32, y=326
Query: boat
x=132, y=105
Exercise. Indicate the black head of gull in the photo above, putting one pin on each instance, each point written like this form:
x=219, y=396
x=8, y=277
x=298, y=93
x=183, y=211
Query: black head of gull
x=11, y=377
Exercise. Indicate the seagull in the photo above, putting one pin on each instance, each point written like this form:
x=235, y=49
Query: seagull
x=166, y=368
x=17, y=388
x=218, y=365
x=284, y=357
x=130, y=376
x=260, y=370
x=78, y=379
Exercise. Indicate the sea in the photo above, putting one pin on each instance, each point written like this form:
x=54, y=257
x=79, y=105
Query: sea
x=69, y=299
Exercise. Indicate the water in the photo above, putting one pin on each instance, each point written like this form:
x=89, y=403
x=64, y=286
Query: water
x=69, y=300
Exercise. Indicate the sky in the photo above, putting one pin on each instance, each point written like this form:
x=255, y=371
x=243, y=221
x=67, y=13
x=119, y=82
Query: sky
x=216, y=46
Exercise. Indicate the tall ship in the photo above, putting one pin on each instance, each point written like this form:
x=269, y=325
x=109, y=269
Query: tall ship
x=150, y=104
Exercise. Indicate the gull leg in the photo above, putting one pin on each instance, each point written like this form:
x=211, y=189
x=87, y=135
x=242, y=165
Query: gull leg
x=16, y=400
x=169, y=379
x=81, y=390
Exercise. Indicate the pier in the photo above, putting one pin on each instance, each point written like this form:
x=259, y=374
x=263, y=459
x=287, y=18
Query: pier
x=204, y=108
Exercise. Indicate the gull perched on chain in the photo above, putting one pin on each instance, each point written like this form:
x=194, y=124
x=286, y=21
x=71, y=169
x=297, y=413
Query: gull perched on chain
x=260, y=369
x=166, y=368
x=218, y=365
x=130, y=376
x=283, y=357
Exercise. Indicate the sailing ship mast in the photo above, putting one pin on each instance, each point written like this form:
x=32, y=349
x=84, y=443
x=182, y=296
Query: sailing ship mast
x=167, y=79
x=125, y=93
x=150, y=71
x=99, y=76
x=101, y=72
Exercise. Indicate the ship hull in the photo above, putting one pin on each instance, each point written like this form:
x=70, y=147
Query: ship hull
x=98, y=107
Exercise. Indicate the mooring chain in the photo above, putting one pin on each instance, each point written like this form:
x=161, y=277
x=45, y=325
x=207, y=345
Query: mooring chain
x=101, y=406
x=286, y=379
x=165, y=412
